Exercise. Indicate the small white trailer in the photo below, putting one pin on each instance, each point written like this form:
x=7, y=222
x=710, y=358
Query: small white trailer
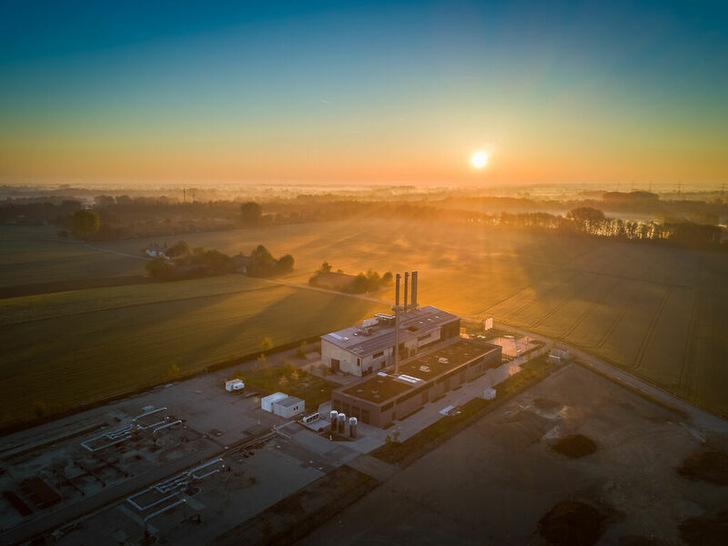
x=234, y=385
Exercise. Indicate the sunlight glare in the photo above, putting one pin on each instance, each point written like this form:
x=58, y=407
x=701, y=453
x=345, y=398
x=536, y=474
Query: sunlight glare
x=479, y=159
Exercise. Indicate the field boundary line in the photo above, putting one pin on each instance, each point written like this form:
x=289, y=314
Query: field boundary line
x=559, y=307
x=327, y=291
x=689, y=341
x=657, y=314
x=590, y=310
x=633, y=279
x=132, y=305
x=617, y=320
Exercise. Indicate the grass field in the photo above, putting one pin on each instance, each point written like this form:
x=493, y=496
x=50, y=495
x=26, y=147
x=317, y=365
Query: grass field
x=66, y=361
x=32, y=255
x=660, y=313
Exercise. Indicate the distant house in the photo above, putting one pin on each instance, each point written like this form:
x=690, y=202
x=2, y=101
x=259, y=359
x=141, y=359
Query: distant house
x=155, y=250
x=241, y=263
x=333, y=281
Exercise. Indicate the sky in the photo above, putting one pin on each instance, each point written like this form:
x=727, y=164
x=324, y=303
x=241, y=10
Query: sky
x=389, y=92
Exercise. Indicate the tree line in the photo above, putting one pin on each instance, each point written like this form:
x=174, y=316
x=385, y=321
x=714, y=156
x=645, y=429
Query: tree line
x=179, y=262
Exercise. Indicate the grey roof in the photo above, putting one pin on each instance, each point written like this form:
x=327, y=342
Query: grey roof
x=411, y=324
x=288, y=402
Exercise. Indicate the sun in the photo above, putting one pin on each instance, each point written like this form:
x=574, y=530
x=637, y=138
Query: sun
x=479, y=159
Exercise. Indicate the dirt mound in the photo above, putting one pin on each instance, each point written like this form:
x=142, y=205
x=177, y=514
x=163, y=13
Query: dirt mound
x=574, y=446
x=708, y=466
x=572, y=523
x=707, y=530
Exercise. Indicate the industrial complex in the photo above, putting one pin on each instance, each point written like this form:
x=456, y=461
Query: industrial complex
x=424, y=350
x=155, y=470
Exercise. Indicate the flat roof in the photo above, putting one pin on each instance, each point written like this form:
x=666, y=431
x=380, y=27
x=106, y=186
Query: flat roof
x=384, y=386
x=381, y=336
x=444, y=359
x=287, y=402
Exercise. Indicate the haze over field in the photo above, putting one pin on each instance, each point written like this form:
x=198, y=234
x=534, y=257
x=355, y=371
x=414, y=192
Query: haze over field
x=381, y=92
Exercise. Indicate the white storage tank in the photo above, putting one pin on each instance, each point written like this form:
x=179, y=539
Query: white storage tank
x=334, y=417
x=342, y=423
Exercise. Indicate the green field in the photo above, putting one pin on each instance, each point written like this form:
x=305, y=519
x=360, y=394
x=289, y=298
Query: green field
x=33, y=255
x=660, y=313
x=62, y=362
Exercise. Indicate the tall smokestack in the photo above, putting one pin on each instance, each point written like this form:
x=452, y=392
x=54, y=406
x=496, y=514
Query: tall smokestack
x=414, y=290
x=406, y=290
x=397, y=310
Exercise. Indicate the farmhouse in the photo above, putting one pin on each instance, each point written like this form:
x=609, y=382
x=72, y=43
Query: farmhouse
x=155, y=250
x=369, y=347
x=381, y=399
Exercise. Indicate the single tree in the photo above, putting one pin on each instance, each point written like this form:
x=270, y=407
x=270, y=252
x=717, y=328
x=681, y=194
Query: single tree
x=85, y=223
x=266, y=344
x=251, y=213
x=180, y=248
x=285, y=264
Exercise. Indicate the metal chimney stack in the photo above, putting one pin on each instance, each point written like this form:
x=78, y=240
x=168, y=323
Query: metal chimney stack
x=399, y=309
x=396, y=310
x=406, y=289
x=413, y=305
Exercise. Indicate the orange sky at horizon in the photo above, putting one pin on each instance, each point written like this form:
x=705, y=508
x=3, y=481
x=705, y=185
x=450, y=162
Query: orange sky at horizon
x=382, y=92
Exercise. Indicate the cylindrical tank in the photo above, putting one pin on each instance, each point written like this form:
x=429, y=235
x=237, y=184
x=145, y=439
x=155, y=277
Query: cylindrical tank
x=352, y=426
x=342, y=423
x=333, y=416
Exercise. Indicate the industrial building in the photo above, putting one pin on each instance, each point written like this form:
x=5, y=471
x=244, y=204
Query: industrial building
x=369, y=347
x=385, y=397
x=423, y=352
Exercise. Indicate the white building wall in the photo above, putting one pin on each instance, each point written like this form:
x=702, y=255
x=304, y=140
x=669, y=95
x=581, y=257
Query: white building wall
x=372, y=363
x=347, y=361
x=369, y=364
x=289, y=411
x=430, y=337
